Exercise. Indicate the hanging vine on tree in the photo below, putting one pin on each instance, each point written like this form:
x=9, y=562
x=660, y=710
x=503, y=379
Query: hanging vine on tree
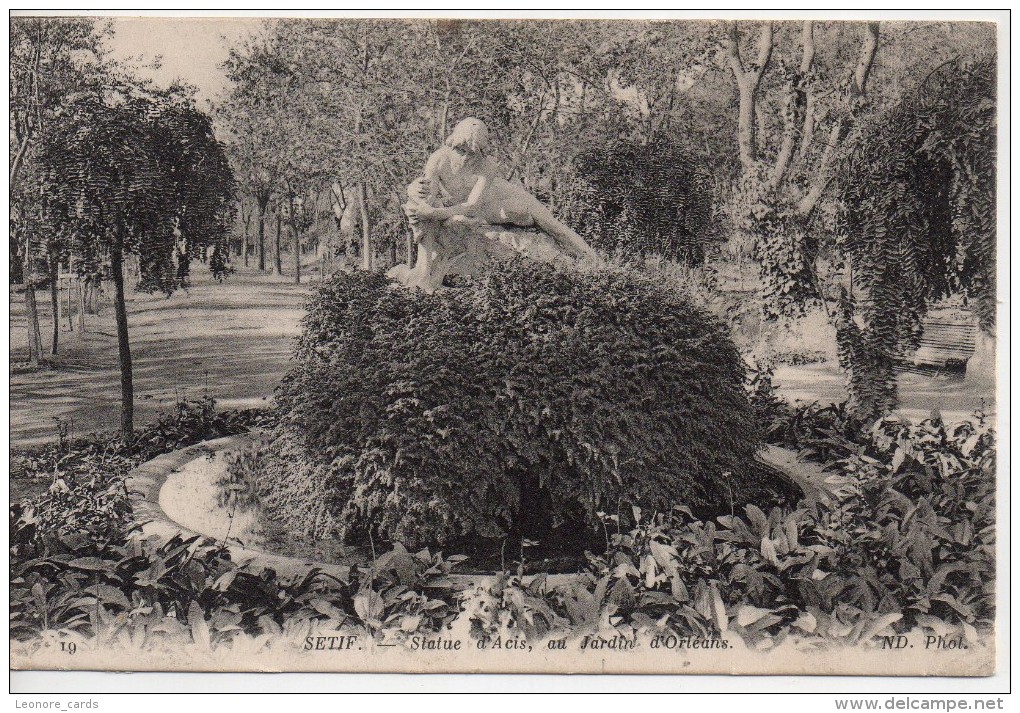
x=916, y=220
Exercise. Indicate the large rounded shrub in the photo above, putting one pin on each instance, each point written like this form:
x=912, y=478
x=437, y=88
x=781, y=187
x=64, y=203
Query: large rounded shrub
x=528, y=397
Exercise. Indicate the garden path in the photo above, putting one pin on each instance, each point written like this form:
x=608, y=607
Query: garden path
x=232, y=340
x=919, y=394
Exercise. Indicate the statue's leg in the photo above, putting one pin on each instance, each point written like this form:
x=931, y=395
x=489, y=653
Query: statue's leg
x=571, y=242
x=507, y=202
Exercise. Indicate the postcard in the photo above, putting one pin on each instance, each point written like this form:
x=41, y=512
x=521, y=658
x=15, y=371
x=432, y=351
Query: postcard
x=413, y=344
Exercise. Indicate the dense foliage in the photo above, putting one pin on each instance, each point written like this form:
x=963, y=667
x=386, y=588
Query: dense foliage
x=52, y=60
x=141, y=175
x=644, y=198
x=80, y=569
x=918, y=222
x=83, y=478
x=906, y=540
x=136, y=592
x=527, y=398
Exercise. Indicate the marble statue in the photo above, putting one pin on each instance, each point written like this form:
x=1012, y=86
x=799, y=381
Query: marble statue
x=463, y=212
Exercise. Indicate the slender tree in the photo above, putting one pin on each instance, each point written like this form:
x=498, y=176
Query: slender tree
x=52, y=60
x=246, y=228
x=252, y=116
x=139, y=176
x=277, y=245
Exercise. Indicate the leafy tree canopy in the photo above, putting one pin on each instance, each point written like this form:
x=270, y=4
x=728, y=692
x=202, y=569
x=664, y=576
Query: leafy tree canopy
x=141, y=175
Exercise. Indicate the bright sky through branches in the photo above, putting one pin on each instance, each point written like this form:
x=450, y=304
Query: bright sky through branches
x=192, y=49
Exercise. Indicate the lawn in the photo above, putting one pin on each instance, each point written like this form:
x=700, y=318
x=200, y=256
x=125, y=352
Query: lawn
x=232, y=339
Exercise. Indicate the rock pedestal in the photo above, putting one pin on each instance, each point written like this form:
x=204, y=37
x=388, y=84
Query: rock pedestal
x=463, y=246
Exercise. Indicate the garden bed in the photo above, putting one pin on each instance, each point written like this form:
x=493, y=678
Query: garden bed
x=903, y=547
x=182, y=492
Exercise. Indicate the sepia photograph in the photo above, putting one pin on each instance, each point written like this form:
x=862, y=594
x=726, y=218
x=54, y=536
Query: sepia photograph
x=475, y=345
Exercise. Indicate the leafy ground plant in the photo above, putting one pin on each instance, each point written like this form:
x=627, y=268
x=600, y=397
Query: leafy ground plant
x=144, y=588
x=108, y=456
x=80, y=568
x=906, y=542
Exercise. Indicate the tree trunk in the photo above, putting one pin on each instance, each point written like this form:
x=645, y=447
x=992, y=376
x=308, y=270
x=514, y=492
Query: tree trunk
x=366, y=228
x=297, y=254
x=746, y=127
x=867, y=58
x=263, y=203
x=17, y=267
x=338, y=201
x=859, y=87
x=31, y=308
x=127, y=391
x=32, y=318
x=54, y=266
x=808, y=134
x=796, y=108
x=93, y=285
x=444, y=112
x=246, y=220
x=69, y=312
x=81, y=304
x=748, y=82
x=278, y=257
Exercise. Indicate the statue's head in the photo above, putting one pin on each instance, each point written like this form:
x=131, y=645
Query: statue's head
x=471, y=135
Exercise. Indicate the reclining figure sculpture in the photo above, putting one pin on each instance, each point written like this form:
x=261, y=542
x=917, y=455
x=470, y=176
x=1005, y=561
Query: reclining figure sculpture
x=463, y=212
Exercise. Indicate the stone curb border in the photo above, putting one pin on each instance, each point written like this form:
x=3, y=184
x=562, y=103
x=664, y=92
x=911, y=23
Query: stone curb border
x=809, y=477
x=144, y=485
